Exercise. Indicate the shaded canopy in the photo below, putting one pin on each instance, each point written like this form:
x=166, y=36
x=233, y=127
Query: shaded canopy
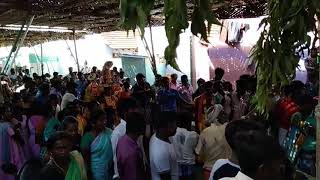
x=8, y=37
x=101, y=15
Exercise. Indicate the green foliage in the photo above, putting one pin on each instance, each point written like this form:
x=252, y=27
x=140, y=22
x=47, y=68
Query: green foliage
x=202, y=13
x=176, y=17
x=135, y=13
x=285, y=30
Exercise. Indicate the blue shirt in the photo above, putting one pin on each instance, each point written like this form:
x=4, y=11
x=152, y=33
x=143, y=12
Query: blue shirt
x=167, y=99
x=81, y=86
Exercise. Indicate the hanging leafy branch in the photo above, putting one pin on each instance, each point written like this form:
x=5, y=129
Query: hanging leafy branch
x=135, y=13
x=285, y=30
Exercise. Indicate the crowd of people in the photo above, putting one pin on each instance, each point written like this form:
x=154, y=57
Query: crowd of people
x=99, y=126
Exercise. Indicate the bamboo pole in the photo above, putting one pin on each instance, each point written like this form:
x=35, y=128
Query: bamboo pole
x=14, y=47
x=75, y=50
x=152, y=57
x=41, y=60
x=21, y=40
x=318, y=119
x=154, y=66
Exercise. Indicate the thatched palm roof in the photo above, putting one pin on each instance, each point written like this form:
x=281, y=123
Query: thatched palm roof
x=8, y=37
x=103, y=15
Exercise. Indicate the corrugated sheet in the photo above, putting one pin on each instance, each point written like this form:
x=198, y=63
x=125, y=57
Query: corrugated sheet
x=120, y=40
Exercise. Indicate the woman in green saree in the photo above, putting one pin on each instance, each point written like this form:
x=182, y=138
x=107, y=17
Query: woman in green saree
x=64, y=164
x=97, y=149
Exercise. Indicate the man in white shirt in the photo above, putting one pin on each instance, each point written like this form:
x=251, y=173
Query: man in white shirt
x=184, y=143
x=69, y=96
x=163, y=161
x=124, y=107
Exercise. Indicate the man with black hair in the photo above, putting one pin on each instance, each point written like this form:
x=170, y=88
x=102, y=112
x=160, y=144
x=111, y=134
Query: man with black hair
x=141, y=90
x=124, y=107
x=81, y=85
x=43, y=94
x=230, y=167
x=185, y=91
x=239, y=105
x=173, y=82
x=157, y=83
x=163, y=160
x=260, y=157
x=219, y=73
x=200, y=89
x=69, y=96
x=202, y=102
x=184, y=142
x=71, y=76
x=129, y=154
x=167, y=97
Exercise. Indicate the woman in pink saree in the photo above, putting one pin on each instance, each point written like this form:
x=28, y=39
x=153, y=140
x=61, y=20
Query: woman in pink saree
x=36, y=124
x=12, y=155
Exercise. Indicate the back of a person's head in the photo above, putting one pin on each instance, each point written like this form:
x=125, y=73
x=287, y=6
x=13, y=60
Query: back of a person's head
x=208, y=85
x=126, y=84
x=30, y=170
x=56, y=137
x=70, y=110
x=68, y=120
x=255, y=149
x=219, y=72
x=125, y=104
x=184, y=120
x=27, y=79
x=135, y=123
x=297, y=85
x=158, y=76
x=165, y=118
x=164, y=79
x=239, y=126
x=140, y=76
x=241, y=85
x=287, y=90
x=95, y=115
x=71, y=85
x=173, y=75
x=44, y=87
x=53, y=97
x=245, y=77
x=41, y=109
x=200, y=81
x=184, y=77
